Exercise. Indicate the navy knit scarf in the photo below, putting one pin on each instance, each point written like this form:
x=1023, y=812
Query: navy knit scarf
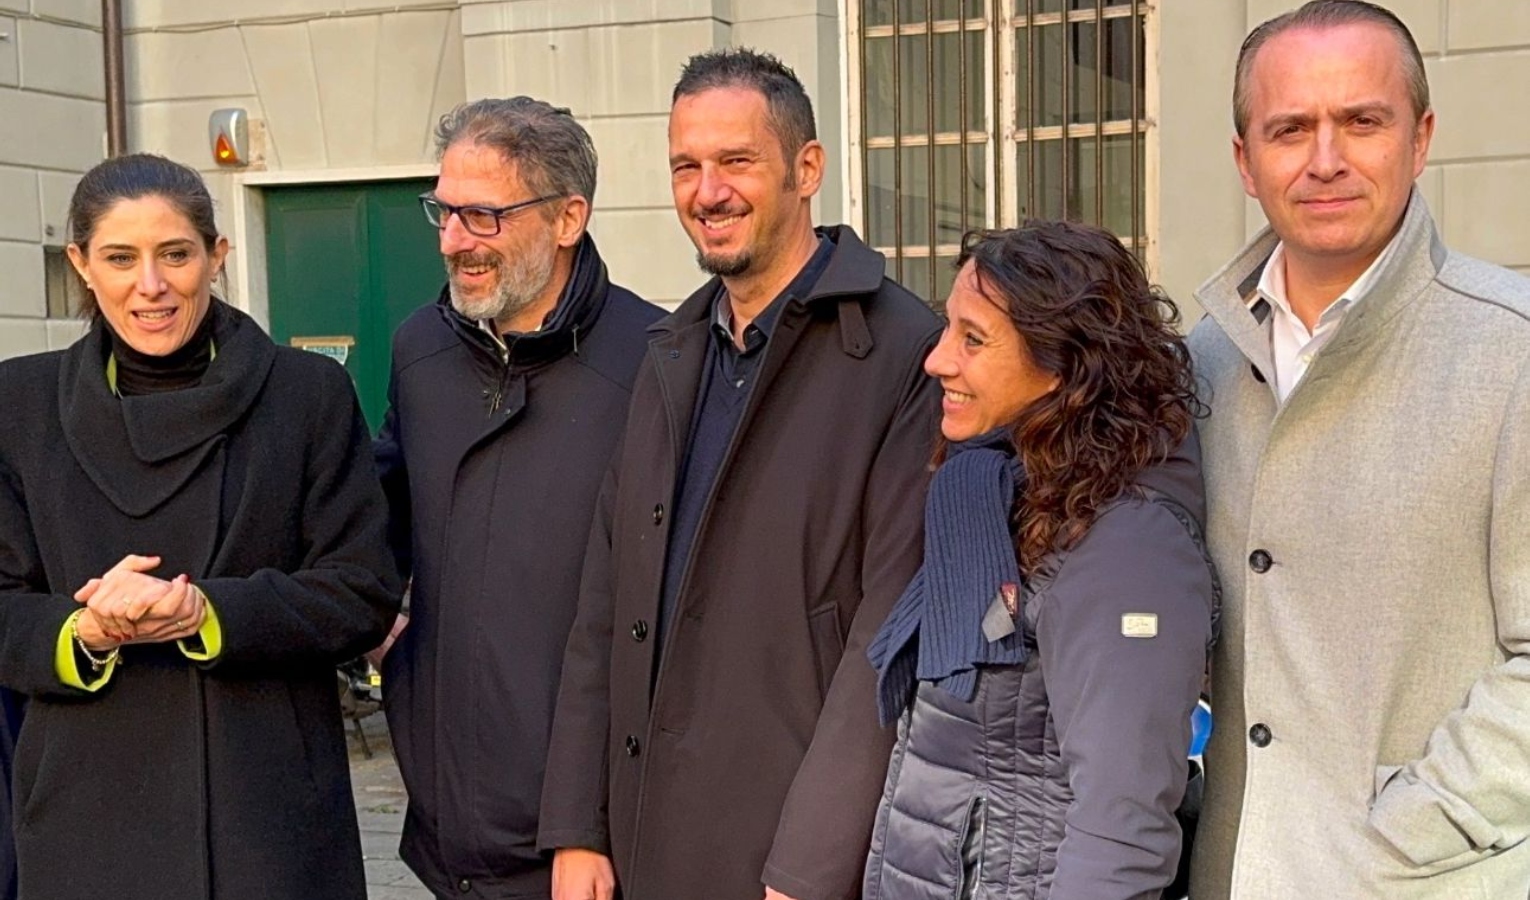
x=935, y=631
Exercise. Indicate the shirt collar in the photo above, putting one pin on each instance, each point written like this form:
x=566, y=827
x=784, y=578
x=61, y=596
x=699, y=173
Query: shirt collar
x=1272, y=282
x=757, y=332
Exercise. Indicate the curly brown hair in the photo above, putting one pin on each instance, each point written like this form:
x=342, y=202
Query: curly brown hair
x=1125, y=397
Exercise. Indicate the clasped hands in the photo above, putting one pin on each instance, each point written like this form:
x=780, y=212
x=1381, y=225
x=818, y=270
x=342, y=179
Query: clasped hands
x=129, y=606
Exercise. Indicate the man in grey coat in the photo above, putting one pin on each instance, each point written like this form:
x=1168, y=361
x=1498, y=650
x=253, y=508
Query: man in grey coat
x=1368, y=472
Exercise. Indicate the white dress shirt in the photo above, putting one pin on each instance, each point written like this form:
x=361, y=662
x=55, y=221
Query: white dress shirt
x=1292, y=345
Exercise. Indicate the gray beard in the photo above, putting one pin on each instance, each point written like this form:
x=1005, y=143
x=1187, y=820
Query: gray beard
x=519, y=285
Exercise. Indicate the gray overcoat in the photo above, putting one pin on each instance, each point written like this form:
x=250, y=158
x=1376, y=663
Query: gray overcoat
x=1372, y=684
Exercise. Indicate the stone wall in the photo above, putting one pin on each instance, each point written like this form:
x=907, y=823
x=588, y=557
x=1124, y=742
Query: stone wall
x=52, y=127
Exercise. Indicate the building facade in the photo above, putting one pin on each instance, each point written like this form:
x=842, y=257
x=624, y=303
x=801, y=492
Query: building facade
x=939, y=116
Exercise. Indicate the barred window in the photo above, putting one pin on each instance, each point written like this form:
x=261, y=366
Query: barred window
x=981, y=113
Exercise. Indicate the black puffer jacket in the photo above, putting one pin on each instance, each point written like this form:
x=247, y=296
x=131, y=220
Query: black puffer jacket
x=1061, y=777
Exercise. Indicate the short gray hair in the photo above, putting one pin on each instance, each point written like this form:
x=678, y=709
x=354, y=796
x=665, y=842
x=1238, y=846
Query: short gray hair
x=1331, y=14
x=551, y=151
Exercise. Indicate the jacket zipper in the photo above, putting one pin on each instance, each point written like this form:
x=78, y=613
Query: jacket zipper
x=499, y=387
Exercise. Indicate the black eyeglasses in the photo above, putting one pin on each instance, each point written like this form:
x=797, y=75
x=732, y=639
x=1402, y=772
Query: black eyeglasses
x=482, y=221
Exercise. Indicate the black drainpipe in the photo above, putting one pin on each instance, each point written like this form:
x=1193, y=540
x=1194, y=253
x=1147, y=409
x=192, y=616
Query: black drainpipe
x=116, y=82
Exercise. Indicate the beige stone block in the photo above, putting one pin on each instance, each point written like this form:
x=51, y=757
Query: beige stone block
x=633, y=69
x=1431, y=183
x=20, y=337
x=509, y=16
x=647, y=251
x=1201, y=208
x=86, y=12
x=61, y=59
x=1474, y=117
x=759, y=10
x=1484, y=24
x=221, y=187
x=19, y=218
x=15, y=6
x=182, y=66
x=166, y=66
x=55, y=190
x=401, y=5
x=281, y=64
x=1484, y=211
x=1253, y=220
x=412, y=45
x=634, y=162
x=60, y=132
x=178, y=128
x=552, y=66
x=451, y=83
x=345, y=60
x=10, y=54
x=63, y=332
x=160, y=13
x=21, y=280
x=1421, y=16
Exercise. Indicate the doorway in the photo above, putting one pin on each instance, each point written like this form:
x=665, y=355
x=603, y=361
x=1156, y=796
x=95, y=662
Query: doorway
x=346, y=263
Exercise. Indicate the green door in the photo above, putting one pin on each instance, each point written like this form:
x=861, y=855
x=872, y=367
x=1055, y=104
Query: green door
x=346, y=264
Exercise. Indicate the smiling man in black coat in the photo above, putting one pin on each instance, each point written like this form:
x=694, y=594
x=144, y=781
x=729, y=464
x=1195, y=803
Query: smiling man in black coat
x=507, y=397
x=716, y=736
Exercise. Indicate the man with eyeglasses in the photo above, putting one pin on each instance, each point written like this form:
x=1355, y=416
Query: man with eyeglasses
x=508, y=394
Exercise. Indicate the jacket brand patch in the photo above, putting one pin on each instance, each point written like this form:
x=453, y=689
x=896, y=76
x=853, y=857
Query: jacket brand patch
x=1139, y=625
x=1009, y=592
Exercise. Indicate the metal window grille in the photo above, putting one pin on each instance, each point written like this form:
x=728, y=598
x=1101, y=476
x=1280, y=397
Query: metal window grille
x=982, y=113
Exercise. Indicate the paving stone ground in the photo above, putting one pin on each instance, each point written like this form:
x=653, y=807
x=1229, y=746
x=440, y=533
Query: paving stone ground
x=380, y=801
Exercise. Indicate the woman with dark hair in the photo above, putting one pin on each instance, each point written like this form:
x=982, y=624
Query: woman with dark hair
x=191, y=536
x=1044, y=663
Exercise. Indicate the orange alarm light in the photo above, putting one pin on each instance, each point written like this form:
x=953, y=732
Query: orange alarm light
x=228, y=132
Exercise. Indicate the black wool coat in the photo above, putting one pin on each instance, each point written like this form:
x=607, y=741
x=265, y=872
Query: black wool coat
x=751, y=750
x=223, y=780
x=492, y=460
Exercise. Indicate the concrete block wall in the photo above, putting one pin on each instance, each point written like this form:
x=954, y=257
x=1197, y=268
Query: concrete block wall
x=614, y=63
x=52, y=128
x=333, y=87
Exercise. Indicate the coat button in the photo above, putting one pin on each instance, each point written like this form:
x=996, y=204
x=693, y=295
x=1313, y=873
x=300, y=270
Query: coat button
x=1260, y=735
x=633, y=747
x=639, y=631
x=658, y=513
x=1260, y=561
x=464, y=885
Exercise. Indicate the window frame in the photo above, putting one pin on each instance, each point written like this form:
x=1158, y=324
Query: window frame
x=1002, y=202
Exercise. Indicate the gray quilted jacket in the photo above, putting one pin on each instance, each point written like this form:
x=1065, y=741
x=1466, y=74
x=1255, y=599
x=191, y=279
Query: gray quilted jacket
x=1059, y=780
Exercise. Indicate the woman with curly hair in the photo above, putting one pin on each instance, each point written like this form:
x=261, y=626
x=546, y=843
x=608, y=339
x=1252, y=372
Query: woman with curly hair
x=1043, y=665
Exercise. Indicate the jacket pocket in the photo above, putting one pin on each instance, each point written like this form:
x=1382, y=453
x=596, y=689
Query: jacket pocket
x=973, y=831
x=828, y=644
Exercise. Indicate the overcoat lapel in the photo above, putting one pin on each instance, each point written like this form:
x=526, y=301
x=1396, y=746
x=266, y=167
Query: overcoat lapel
x=679, y=359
